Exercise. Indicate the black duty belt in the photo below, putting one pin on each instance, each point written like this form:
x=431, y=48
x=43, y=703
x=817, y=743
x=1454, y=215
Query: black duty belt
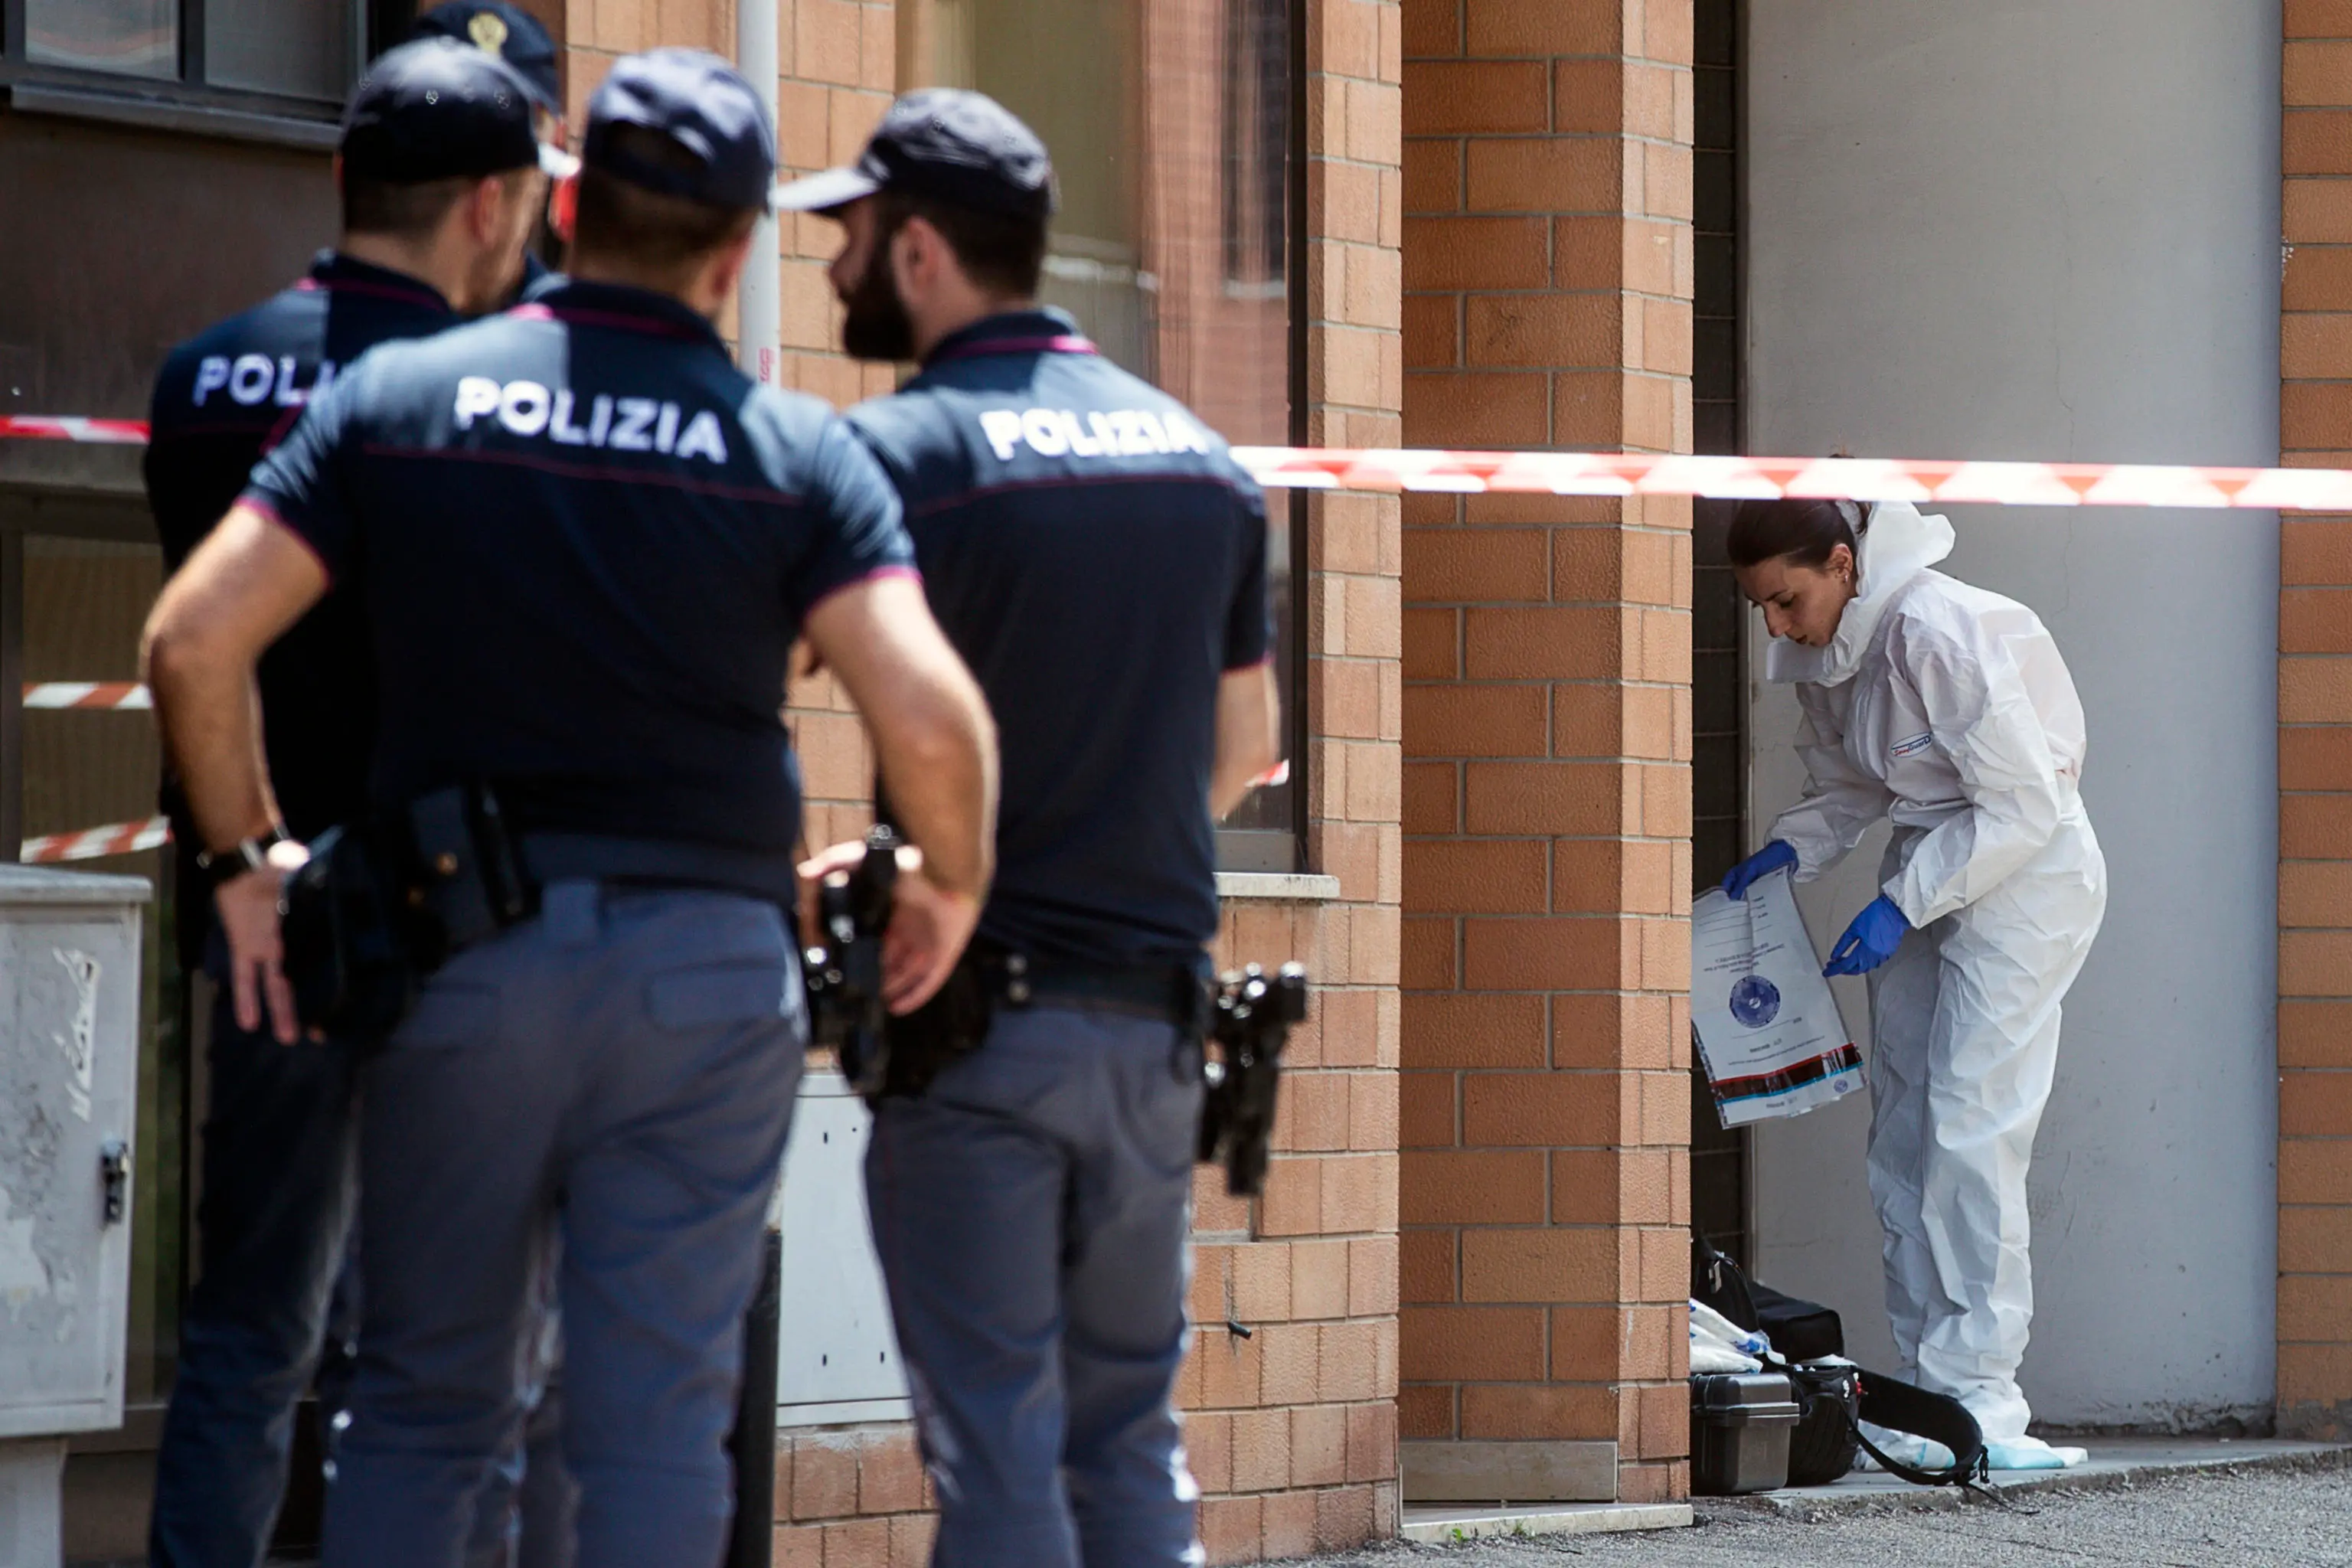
x=771, y=875
x=1164, y=992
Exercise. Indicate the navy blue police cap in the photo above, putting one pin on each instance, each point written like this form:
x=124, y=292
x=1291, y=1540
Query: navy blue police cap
x=955, y=146
x=434, y=110
x=506, y=31
x=698, y=102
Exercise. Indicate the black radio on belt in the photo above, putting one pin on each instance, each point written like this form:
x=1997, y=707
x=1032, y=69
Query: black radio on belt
x=843, y=972
x=1254, y=1015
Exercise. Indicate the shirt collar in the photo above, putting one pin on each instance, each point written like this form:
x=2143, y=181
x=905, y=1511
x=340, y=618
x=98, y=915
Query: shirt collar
x=333, y=270
x=1041, y=330
x=617, y=305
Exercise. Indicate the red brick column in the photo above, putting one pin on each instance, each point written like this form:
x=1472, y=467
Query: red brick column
x=2315, y=698
x=1546, y=1106
x=1292, y=1431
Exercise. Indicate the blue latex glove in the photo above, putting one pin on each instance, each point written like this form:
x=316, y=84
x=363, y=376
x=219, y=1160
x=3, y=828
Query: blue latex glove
x=1763, y=863
x=1870, y=941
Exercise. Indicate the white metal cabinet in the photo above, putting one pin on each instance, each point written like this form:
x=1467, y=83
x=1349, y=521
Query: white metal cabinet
x=837, y=1360
x=70, y=988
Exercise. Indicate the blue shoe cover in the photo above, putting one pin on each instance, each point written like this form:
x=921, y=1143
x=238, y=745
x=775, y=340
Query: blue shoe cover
x=2032, y=1454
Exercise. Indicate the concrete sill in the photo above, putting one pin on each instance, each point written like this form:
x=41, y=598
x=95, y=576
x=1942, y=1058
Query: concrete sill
x=1440, y=1526
x=1278, y=887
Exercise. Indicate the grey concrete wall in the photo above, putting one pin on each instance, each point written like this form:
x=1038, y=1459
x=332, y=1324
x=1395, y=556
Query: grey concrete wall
x=2028, y=230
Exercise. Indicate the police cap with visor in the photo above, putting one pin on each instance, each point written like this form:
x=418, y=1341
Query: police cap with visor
x=954, y=146
x=436, y=110
x=725, y=149
x=509, y=32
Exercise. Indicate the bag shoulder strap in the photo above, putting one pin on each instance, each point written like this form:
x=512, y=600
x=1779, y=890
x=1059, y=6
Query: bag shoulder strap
x=1938, y=1417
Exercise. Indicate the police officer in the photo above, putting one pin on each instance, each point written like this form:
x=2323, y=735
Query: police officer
x=1100, y=562
x=440, y=188
x=584, y=544
x=514, y=36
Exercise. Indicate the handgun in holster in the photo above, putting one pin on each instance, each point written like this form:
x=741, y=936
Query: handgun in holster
x=385, y=901
x=842, y=971
x=1251, y=1024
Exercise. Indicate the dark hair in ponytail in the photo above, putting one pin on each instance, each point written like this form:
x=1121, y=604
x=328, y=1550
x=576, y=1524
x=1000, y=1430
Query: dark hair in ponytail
x=1804, y=530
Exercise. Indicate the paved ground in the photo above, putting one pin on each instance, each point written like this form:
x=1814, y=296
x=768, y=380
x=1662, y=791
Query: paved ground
x=2224, y=1518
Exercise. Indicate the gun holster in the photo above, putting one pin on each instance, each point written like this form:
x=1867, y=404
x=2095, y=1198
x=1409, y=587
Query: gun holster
x=950, y=1025
x=1252, y=1022
x=386, y=901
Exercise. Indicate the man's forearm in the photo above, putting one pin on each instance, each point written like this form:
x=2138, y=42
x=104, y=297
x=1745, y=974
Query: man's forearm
x=210, y=716
x=245, y=583
x=940, y=769
x=933, y=739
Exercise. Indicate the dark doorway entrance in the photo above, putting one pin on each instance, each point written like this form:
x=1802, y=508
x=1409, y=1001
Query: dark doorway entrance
x=1718, y=684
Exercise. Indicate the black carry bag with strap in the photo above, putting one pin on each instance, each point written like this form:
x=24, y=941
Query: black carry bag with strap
x=1836, y=1399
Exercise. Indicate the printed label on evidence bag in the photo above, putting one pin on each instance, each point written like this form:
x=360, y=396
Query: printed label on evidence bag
x=1767, y=1028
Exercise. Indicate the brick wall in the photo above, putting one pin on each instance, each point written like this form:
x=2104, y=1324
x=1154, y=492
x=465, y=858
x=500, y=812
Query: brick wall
x=1292, y=1428
x=1548, y=277
x=2314, y=1024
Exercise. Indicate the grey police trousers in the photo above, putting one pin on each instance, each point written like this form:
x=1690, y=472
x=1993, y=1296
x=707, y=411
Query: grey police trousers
x=1030, y=1212
x=619, y=1074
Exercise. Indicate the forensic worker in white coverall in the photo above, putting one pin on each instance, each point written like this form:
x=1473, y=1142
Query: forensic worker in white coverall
x=1947, y=710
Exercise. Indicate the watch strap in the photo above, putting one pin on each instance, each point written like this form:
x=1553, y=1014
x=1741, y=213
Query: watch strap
x=246, y=855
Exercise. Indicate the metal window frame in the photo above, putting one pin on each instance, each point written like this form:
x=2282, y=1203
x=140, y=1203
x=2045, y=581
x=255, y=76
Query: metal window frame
x=188, y=103
x=1283, y=850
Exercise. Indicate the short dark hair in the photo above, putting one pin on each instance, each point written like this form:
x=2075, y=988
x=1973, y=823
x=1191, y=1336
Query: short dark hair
x=999, y=251
x=650, y=229
x=1802, y=530
x=408, y=211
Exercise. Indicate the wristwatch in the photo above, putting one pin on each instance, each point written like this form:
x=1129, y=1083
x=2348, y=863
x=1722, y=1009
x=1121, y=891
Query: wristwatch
x=220, y=866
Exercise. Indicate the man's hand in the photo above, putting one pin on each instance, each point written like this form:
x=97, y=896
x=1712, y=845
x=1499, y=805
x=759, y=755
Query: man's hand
x=928, y=929
x=257, y=947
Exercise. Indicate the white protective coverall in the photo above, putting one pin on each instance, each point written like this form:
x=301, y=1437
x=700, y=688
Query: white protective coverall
x=1947, y=710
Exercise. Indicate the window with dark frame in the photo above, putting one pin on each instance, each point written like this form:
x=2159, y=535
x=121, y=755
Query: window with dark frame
x=287, y=59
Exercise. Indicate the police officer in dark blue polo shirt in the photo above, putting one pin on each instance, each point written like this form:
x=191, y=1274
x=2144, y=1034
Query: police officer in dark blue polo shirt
x=439, y=185
x=584, y=544
x=1099, y=561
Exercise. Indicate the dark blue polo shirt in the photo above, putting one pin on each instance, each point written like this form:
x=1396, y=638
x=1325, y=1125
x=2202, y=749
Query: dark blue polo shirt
x=1100, y=560
x=586, y=544
x=224, y=398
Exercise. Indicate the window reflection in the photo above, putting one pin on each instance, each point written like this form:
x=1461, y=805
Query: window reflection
x=127, y=37
x=301, y=49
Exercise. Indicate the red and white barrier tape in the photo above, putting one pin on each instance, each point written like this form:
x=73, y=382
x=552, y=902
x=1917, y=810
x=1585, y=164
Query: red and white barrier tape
x=87, y=695
x=1830, y=478
x=105, y=432
x=91, y=844
x=1678, y=474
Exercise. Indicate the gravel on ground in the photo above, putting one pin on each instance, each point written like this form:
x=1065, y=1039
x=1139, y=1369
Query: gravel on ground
x=2244, y=1517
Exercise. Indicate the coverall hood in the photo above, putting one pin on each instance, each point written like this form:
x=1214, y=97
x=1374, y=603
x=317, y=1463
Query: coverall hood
x=1898, y=543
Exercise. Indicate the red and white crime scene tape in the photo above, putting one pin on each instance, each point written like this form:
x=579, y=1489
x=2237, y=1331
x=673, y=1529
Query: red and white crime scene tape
x=105, y=432
x=115, y=837
x=1389, y=470
x=1827, y=478
x=1676, y=474
x=90, y=842
x=99, y=695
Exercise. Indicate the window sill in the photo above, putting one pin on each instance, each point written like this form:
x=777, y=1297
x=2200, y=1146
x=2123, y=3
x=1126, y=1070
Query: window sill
x=1278, y=887
x=195, y=118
